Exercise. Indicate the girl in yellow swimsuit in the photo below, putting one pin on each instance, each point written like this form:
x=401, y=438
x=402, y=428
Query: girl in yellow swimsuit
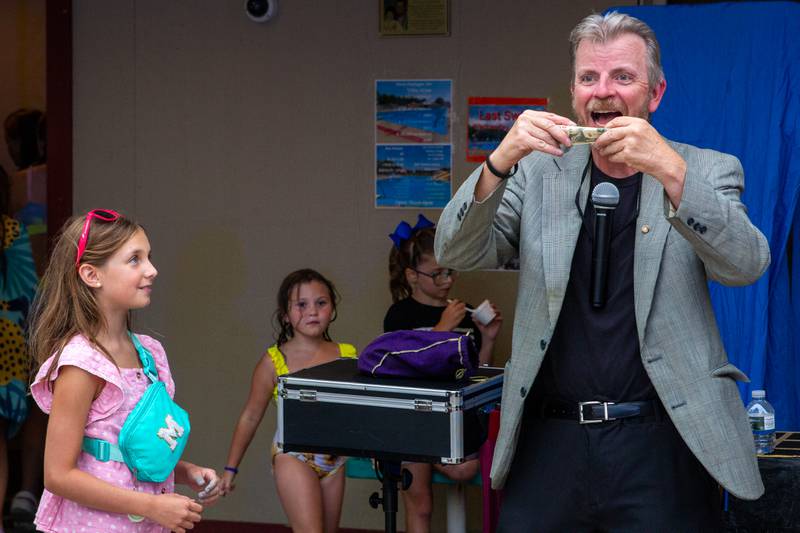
x=310, y=486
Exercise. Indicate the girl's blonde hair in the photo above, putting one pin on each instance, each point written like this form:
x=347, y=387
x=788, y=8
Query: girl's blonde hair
x=65, y=306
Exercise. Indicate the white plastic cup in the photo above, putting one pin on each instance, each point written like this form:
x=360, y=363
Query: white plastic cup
x=484, y=313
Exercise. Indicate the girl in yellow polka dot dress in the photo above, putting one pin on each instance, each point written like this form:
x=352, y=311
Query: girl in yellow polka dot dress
x=17, y=289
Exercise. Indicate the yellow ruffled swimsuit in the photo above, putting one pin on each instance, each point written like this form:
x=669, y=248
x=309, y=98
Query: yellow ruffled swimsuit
x=323, y=465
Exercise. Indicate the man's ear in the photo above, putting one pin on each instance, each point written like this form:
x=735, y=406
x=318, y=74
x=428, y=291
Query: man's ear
x=90, y=276
x=656, y=94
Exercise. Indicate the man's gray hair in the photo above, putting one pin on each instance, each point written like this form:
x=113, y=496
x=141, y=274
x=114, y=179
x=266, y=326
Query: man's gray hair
x=603, y=28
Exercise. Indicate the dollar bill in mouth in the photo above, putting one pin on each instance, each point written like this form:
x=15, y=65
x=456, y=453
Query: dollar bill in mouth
x=583, y=134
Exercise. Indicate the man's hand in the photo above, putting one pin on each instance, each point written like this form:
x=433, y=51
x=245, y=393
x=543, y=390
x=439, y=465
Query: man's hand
x=532, y=131
x=634, y=142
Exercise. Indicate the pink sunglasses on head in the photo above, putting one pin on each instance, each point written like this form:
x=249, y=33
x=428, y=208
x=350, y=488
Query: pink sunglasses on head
x=106, y=215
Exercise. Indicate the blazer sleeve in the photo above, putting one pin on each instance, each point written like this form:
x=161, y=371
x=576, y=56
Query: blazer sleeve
x=713, y=219
x=474, y=235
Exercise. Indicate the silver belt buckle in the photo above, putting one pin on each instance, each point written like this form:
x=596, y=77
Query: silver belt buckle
x=605, y=412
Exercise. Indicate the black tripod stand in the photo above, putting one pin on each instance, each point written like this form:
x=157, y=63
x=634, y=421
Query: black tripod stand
x=390, y=473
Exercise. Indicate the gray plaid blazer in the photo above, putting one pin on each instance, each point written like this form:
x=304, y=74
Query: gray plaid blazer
x=533, y=216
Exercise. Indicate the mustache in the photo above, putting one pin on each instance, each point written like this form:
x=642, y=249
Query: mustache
x=604, y=106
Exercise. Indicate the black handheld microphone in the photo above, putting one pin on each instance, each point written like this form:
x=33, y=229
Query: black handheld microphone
x=605, y=198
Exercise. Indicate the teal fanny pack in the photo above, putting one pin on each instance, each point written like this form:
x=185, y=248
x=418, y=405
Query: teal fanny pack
x=153, y=436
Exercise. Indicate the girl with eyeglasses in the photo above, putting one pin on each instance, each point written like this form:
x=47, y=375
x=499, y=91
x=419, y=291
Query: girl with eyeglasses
x=420, y=290
x=91, y=378
x=310, y=485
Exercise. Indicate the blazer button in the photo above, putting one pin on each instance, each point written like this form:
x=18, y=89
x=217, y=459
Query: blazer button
x=523, y=392
x=702, y=229
x=543, y=344
x=690, y=221
x=697, y=226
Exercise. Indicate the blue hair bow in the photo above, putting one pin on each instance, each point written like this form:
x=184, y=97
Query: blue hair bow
x=404, y=231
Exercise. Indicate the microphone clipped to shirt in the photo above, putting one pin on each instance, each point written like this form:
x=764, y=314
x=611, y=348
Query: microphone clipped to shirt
x=605, y=198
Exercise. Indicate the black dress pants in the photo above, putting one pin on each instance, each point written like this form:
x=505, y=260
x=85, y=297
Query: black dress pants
x=633, y=475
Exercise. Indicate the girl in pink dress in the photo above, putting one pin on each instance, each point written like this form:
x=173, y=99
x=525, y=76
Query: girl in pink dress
x=91, y=378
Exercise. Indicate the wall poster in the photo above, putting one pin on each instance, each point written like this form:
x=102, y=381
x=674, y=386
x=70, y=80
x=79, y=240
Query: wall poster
x=491, y=118
x=413, y=143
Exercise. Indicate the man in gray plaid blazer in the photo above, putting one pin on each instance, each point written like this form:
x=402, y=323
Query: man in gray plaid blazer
x=627, y=415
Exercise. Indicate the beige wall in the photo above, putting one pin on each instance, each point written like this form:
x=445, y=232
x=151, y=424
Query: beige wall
x=247, y=151
x=22, y=61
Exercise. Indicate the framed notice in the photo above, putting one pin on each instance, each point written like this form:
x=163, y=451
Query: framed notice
x=414, y=17
x=413, y=111
x=412, y=175
x=491, y=118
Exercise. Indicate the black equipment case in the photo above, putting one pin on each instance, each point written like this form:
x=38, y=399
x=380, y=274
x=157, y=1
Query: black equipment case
x=334, y=409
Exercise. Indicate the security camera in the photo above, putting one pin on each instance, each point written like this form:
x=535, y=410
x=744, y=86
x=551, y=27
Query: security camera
x=260, y=10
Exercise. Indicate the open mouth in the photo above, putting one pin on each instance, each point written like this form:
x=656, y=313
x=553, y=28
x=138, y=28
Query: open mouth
x=604, y=117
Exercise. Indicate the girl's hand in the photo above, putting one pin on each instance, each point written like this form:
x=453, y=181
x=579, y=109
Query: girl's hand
x=490, y=330
x=205, y=482
x=227, y=483
x=452, y=316
x=175, y=512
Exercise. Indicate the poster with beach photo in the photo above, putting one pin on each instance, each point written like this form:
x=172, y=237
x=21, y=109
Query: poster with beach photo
x=413, y=111
x=491, y=118
x=413, y=176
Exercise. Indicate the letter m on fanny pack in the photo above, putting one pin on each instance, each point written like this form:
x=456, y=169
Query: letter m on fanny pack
x=171, y=433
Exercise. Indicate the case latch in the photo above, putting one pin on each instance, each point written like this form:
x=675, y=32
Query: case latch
x=423, y=405
x=308, y=396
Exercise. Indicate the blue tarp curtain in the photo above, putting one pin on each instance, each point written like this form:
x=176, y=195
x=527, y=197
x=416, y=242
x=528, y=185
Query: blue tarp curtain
x=733, y=85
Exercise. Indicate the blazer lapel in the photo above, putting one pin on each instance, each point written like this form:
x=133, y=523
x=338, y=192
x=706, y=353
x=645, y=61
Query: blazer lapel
x=561, y=223
x=651, y=234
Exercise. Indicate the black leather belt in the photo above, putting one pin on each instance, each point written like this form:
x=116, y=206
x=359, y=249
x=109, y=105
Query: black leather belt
x=594, y=412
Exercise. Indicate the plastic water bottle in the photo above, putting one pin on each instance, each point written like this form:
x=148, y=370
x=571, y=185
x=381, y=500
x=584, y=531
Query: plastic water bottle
x=762, y=420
